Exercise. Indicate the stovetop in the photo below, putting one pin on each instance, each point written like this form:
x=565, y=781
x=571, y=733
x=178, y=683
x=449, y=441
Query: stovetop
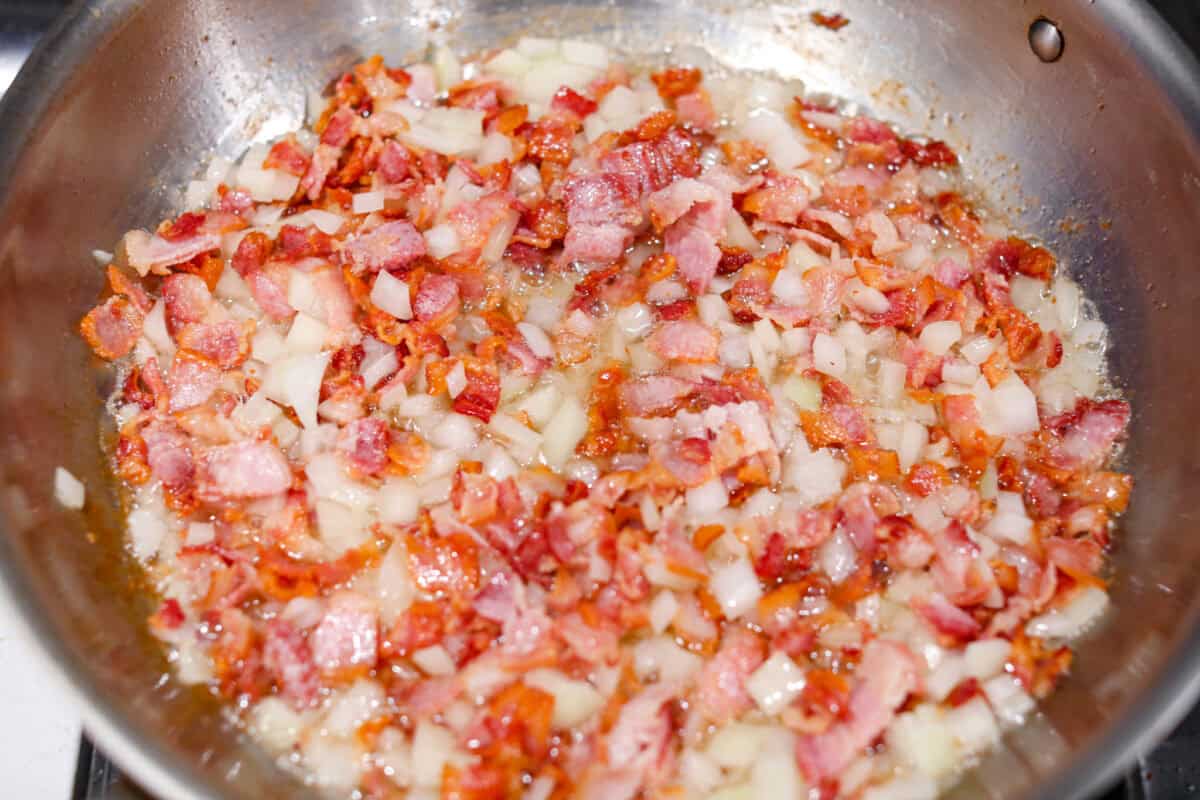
x=1169, y=772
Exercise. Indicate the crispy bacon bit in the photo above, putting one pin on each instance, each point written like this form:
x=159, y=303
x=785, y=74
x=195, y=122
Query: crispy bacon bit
x=288, y=658
x=721, y=686
x=347, y=636
x=112, y=328
x=243, y=470
x=834, y=22
x=655, y=164
x=684, y=340
x=391, y=246
x=887, y=674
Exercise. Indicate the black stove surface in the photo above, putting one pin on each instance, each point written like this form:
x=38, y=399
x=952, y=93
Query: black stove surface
x=1170, y=772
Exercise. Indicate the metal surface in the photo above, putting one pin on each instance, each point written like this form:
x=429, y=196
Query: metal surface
x=1097, y=153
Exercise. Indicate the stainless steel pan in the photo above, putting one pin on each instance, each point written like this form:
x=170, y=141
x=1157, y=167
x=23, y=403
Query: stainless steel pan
x=1097, y=152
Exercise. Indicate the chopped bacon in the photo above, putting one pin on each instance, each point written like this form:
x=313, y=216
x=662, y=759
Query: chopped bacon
x=287, y=155
x=365, y=443
x=391, y=246
x=1085, y=435
x=191, y=380
x=684, y=340
x=436, y=301
x=602, y=211
x=886, y=675
x=186, y=300
x=693, y=214
x=347, y=637
x=169, y=455
x=721, y=693
x=655, y=164
x=570, y=101
x=287, y=656
x=243, y=470
x=653, y=394
x=783, y=199
x=696, y=111
x=960, y=572
x=112, y=328
x=946, y=617
x=227, y=343
x=639, y=739
x=148, y=253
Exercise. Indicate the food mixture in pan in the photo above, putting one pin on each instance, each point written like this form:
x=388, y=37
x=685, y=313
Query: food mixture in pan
x=542, y=428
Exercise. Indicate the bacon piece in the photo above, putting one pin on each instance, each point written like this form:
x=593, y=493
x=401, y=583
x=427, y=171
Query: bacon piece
x=950, y=272
x=248, y=261
x=638, y=741
x=474, y=220
x=693, y=214
x=395, y=164
x=287, y=155
x=436, y=301
x=653, y=394
x=975, y=446
x=656, y=163
x=960, y=573
x=602, y=211
x=594, y=644
x=186, y=301
x=567, y=100
x=695, y=110
x=391, y=246
x=481, y=397
x=1086, y=434
x=296, y=243
x=147, y=253
x=347, y=637
x=721, y=685
x=683, y=340
x=783, y=200
x=885, y=677
x=169, y=455
x=946, y=617
x=112, y=328
x=191, y=380
x=227, y=343
x=475, y=497
x=243, y=470
x=339, y=307
x=365, y=443
x=287, y=656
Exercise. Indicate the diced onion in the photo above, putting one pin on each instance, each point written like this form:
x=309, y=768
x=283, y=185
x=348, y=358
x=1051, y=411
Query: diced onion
x=537, y=340
x=563, y=432
x=662, y=610
x=736, y=745
x=938, y=337
x=392, y=295
x=367, y=202
x=296, y=382
x=707, y=498
x=442, y=240
x=575, y=702
x=434, y=660
x=775, y=683
x=838, y=557
x=829, y=356
x=1071, y=619
x=68, y=490
x=736, y=588
x=306, y=335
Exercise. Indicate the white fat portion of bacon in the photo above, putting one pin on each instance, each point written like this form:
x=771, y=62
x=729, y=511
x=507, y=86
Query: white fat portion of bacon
x=244, y=470
x=611, y=386
x=150, y=253
x=390, y=246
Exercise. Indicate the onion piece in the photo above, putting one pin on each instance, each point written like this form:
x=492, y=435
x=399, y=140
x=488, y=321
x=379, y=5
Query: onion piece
x=736, y=588
x=392, y=295
x=68, y=490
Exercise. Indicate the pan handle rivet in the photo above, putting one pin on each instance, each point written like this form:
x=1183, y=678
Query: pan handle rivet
x=1046, y=40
